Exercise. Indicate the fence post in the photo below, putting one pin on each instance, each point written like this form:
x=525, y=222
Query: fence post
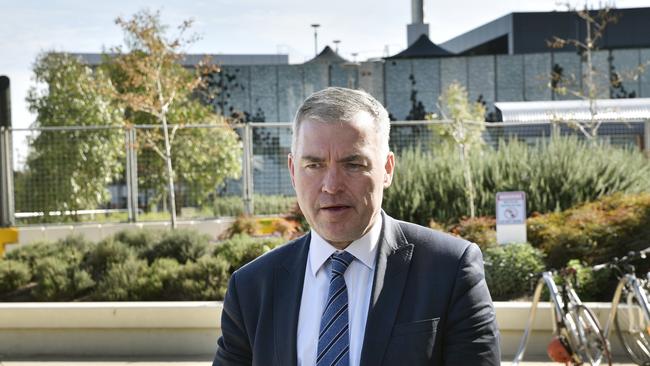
x=131, y=173
x=248, y=170
x=7, y=218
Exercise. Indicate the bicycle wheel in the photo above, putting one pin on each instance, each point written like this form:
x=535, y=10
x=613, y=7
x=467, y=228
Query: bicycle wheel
x=633, y=330
x=594, y=347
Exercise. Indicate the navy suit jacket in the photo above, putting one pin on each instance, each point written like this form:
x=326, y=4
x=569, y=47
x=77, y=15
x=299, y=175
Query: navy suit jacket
x=430, y=304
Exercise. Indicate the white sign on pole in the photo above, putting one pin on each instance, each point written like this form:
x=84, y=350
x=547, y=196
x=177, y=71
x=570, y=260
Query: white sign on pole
x=511, y=217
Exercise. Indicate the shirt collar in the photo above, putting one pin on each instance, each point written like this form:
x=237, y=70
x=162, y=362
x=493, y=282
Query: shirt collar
x=363, y=249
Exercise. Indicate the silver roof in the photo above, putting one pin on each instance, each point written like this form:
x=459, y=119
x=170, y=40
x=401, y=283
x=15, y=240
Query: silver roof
x=611, y=110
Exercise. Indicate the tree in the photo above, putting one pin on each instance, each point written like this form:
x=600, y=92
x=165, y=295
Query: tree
x=156, y=89
x=585, y=86
x=466, y=123
x=71, y=171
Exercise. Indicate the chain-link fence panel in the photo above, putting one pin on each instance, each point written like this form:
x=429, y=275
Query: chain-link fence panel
x=204, y=158
x=68, y=175
x=82, y=173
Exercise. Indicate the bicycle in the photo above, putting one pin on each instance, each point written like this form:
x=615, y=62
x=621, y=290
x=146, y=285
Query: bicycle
x=632, y=321
x=578, y=338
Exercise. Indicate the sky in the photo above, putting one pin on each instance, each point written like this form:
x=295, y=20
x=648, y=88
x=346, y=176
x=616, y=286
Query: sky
x=365, y=27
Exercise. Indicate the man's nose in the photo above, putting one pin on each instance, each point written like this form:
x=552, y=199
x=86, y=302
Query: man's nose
x=332, y=181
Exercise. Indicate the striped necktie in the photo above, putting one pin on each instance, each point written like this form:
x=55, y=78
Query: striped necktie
x=334, y=338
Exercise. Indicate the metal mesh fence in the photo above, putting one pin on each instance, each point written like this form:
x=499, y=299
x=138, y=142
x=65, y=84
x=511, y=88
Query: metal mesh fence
x=82, y=174
x=64, y=174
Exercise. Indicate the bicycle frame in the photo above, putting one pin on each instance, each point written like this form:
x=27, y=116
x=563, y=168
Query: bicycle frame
x=635, y=285
x=561, y=317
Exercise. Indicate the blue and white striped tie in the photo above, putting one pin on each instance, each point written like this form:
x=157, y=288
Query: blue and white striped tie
x=334, y=337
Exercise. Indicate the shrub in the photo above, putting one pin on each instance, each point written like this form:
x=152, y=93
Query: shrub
x=56, y=268
x=555, y=175
x=124, y=281
x=60, y=279
x=426, y=187
x=205, y=279
x=296, y=216
x=182, y=244
x=241, y=249
x=480, y=230
x=592, y=285
x=13, y=275
x=104, y=254
x=140, y=240
x=31, y=253
x=593, y=232
x=510, y=269
x=161, y=282
x=242, y=225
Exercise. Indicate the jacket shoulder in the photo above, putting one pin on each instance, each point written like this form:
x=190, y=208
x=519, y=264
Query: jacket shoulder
x=441, y=243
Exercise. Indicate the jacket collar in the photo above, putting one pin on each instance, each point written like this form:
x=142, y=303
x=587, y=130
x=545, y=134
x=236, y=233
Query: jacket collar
x=393, y=261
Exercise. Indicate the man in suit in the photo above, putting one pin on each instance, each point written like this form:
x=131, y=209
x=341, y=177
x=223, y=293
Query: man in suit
x=361, y=288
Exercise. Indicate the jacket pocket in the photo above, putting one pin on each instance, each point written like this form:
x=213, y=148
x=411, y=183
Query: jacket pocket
x=420, y=326
x=412, y=343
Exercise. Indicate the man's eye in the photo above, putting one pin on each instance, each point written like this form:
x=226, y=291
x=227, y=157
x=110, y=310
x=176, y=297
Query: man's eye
x=355, y=166
x=313, y=166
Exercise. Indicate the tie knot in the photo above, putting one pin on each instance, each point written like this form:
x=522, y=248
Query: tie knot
x=340, y=262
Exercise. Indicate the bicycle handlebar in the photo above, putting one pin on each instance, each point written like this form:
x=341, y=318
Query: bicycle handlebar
x=632, y=255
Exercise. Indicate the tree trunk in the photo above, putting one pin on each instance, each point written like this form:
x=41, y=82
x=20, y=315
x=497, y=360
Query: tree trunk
x=170, y=173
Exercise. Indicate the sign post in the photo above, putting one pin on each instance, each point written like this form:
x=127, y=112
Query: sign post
x=8, y=233
x=511, y=217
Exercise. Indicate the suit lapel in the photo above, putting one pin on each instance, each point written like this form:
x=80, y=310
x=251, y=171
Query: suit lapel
x=393, y=262
x=288, y=283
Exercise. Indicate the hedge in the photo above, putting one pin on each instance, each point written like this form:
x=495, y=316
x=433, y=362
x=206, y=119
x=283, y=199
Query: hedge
x=555, y=175
x=130, y=266
x=593, y=232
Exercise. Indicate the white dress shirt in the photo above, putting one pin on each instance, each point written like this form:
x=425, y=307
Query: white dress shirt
x=358, y=280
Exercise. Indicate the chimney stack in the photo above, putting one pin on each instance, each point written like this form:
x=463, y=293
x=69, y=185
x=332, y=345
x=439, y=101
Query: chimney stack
x=417, y=27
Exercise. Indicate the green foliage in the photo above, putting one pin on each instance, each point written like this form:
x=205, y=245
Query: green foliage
x=456, y=107
x=130, y=266
x=156, y=89
x=205, y=279
x=592, y=285
x=510, y=270
x=70, y=170
x=57, y=269
x=182, y=244
x=162, y=280
x=106, y=253
x=241, y=249
x=60, y=279
x=263, y=205
x=465, y=128
x=124, y=281
x=556, y=175
x=594, y=232
x=13, y=275
x=29, y=254
x=141, y=240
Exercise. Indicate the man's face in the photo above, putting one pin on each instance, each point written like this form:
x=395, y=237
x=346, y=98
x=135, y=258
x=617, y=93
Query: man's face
x=339, y=172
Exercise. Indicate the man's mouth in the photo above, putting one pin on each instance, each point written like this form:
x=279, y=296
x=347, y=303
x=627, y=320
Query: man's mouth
x=334, y=208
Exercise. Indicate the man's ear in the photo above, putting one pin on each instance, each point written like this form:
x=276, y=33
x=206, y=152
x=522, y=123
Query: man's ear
x=389, y=169
x=290, y=163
